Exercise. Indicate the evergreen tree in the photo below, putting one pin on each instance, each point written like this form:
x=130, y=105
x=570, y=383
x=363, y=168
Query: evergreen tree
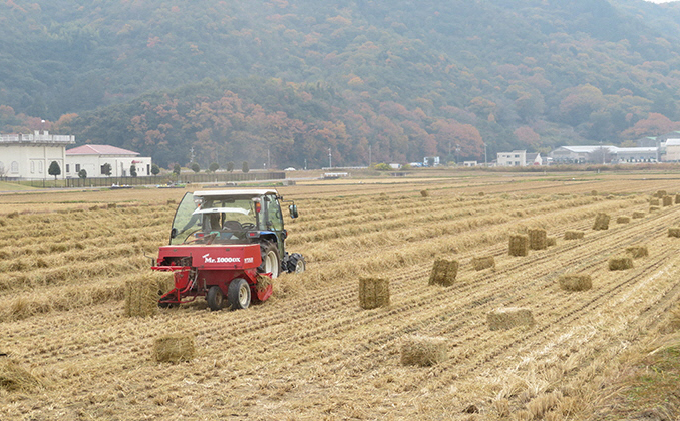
x=54, y=169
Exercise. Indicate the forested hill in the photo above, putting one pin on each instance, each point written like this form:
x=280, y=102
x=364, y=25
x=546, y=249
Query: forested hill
x=238, y=80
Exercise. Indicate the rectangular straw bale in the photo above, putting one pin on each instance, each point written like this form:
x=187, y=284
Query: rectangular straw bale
x=623, y=220
x=677, y=198
x=538, y=239
x=638, y=215
x=552, y=241
x=620, y=263
x=481, y=263
x=507, y=318
x=374, y=292
x=423, y=351
x=660, y=193
x=674, y=232
x=667, y=200
x=654, y=201
x=653, y=209
x=142, y=293
x=174, y=348
x=637, y=252
x=573, y=235
x=574, y=282
x=443, y=272
x=518, y=245
x=601, y=222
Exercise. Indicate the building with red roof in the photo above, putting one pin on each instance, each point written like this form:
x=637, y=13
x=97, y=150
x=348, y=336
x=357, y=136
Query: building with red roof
x=93, y=159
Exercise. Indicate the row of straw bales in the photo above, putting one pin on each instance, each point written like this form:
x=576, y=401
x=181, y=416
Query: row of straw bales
x=427, y=351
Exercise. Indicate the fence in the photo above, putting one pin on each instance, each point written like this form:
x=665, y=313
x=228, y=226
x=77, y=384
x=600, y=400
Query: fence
x=151, y=179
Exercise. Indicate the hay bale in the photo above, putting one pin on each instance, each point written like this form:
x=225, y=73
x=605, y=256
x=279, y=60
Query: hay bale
x=667, y=200
x=653, y=209
x=552, y=241
x=660, y=193
x=423, y=351
x=573, y=282
x=424, y=193
x=677, y=198
x=142, y=293
x=174, y=348
x=374, y=292
x=538, y=239
x=481, y=263
x=15, y=378
x=620, y=263
x=638, y=215
x=593, y=192
x=518, y=245
x=623, y=220
x=637, y=252
x=443, y=272
x=574, y=235
x=674, y=232
x=507, y=318
x=601, y=222
x=654, y=202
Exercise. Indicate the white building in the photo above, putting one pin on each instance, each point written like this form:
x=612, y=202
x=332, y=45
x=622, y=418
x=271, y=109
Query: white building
x=30, y=155
x=92, y=159
x=511, y=159
x=604, y=154
x=672, y=148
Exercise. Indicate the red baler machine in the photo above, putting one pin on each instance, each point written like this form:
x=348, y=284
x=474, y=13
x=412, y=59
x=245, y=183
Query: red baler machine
x=215, y=272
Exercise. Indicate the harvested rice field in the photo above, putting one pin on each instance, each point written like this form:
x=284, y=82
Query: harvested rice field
x=312, y=352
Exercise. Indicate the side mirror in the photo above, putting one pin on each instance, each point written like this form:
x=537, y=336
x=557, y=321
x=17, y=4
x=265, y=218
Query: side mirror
x=173, y=233
x=293, y=211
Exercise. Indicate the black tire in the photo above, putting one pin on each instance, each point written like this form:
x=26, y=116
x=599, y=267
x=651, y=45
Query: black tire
x=270, y=259
x=295, y=263
x=239, y=294
x=215, y=298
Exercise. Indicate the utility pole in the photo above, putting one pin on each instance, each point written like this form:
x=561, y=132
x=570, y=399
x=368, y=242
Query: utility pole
x=193, y=155
x=484, y=154
x=330, y=165
x=269, y=160
x=370, y=161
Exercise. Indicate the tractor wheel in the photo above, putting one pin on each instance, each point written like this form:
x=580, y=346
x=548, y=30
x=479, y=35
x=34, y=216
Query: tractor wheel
x=270, y=260
x=215, y=298
x=295, y=263
x=239, y=294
